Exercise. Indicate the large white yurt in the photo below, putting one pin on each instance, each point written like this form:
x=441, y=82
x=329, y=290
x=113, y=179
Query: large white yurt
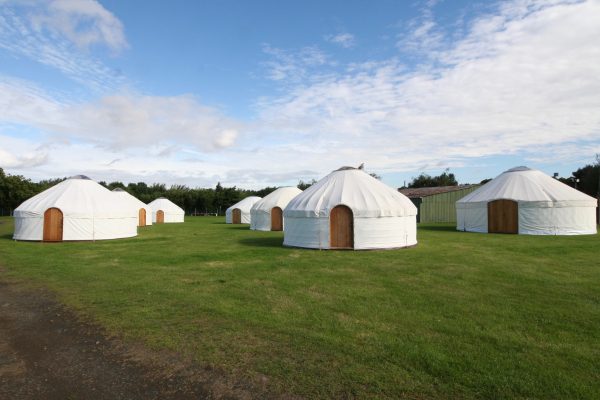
x=349, y=209
x=267, y=213
x=527, y=201
x=75, y=209
x=165, y=211
x=143, y=211
x=239, y=213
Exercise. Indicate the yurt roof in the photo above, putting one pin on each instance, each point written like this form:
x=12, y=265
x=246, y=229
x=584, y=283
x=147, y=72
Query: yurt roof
x=125, y=195
x=526, y=184
x=245, y=204
x=166, y=205
x=354, y=188
x=75, y=197
x=278, y=198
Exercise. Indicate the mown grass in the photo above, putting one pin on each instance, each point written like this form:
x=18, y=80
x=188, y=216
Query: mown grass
x=460, y=315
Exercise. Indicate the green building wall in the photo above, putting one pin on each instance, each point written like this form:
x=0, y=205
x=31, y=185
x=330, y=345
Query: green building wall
x=441, y=207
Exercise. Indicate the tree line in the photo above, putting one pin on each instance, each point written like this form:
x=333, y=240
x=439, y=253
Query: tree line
x=15, y=189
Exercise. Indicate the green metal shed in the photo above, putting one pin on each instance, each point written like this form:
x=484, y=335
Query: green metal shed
x=437, y=204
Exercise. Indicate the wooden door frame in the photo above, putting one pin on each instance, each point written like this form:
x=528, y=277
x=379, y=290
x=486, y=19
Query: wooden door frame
x=233, y=215
x=162, y=214
x=507, y=223
x=45, y=228
x=140, y=221
x=351, y=227
x=280, y=219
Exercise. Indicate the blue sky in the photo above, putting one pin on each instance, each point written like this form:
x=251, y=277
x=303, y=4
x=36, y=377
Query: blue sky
x=269, y=92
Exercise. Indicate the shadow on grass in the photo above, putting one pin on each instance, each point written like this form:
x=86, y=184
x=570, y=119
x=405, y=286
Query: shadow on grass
x=245, y=227
x=437, y=228
x=275, y=242
x=7, y=236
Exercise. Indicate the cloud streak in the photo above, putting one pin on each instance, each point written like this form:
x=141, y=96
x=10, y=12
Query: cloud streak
x=520, y=78
x=119, y=121
x=345, y=40
x=54, y=33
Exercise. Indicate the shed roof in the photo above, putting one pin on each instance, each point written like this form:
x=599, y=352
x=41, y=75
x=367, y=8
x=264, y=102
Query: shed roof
x=412, y=193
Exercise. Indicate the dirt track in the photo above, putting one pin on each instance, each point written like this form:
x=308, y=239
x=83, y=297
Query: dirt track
x=46, y=352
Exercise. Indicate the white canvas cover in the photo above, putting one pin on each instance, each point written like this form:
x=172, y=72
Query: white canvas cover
x=383, y=217
x=134, y=203
x=261, y=210
x=244, y=206
x=90, y=212
x=546, y=206
x=173, y=213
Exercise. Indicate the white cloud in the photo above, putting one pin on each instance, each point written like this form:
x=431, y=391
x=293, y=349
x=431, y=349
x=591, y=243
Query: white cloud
x=83, y=22
x=119, y=121
x=520, y=78
x=52, y=33
x=346, y=40
x=294, y=65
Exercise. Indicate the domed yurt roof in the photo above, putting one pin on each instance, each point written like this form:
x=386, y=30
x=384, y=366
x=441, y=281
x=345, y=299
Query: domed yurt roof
x=525, y=184
x=165, y=205
x=76, y=196
x=352, y=187
x=277, y=198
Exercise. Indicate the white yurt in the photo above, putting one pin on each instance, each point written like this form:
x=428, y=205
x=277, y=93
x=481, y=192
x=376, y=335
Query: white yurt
x=239, y=213
x=349, y=209
x=143, y=211
x=527, y=201
x=165, y=211
x=267, y=213
x=75, y=209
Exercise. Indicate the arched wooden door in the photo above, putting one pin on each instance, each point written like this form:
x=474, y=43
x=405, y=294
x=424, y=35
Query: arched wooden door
x=341, y=228
x=53, y=225
x=503, y=216
x=160, y=217
x=142, y=217
x=276, y=219
x=236, y=216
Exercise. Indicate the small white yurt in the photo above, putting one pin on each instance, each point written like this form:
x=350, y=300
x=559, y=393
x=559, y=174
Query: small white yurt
x=349, y=209
x=267, y=213
x=527, y=201
x=165, y=211
x=75, y=209
x=239, y=213
x=143, y=211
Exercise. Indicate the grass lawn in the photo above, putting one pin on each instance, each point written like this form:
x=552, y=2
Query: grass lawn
x=460, y=315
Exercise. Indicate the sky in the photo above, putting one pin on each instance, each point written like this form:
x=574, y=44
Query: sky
x=267, y=93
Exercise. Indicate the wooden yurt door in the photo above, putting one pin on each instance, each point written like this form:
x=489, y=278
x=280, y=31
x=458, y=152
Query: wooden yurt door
x=341, y=228
x=160, y=217
x=142, y=217
x=276, y=219
x=53, y=225
x=236, y=216
x=503, y=216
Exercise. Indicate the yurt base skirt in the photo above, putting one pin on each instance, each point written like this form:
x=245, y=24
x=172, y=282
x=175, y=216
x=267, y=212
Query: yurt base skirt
x=75, y=229
x=534, y=220
x=368, y=233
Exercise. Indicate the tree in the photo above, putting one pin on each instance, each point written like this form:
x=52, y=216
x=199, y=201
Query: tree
x=305, y=185
x=587, y=179
x=424, y=180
